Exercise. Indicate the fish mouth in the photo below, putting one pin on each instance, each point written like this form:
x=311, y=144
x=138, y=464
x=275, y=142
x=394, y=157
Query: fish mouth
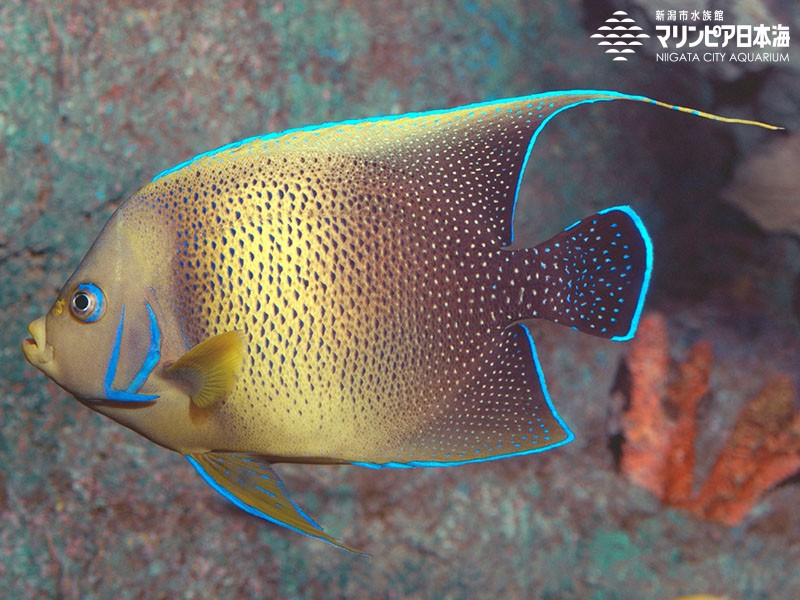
x=36, y=349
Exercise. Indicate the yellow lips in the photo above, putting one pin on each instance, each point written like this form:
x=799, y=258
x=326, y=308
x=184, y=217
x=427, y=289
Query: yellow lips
x=36, y=349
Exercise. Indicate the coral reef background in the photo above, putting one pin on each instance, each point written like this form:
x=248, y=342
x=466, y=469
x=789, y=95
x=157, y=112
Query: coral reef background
x=96, y=98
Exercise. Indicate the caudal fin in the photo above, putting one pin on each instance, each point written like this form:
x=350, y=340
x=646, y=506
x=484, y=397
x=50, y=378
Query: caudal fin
x=596, y=274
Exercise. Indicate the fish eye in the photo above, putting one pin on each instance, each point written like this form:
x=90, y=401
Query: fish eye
x=88, y=303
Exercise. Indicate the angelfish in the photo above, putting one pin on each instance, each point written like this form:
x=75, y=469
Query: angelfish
x=343, y=293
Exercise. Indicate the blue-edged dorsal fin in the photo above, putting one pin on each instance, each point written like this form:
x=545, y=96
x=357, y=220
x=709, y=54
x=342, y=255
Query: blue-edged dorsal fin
x=465, y=160
x=248, y=481
x=503, y=409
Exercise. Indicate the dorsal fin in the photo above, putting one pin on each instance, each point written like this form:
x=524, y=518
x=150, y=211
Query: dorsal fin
x=471, y=156
x=210, y=368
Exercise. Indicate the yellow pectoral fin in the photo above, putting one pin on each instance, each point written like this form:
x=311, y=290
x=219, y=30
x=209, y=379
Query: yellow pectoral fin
x=248, y=481
x=211, y=367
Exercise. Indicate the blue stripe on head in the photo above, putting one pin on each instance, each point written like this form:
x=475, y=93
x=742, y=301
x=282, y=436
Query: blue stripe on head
x=153, y=355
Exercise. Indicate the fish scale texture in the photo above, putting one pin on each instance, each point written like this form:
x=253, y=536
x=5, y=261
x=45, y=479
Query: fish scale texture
x=366, y=263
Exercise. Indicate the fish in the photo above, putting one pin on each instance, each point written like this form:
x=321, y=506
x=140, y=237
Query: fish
x=346, y=293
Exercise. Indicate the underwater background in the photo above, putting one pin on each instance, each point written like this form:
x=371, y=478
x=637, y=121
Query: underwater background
x=97, y=98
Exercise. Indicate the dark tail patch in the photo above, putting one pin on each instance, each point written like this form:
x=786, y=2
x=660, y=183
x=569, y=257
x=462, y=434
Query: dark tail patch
x=596, y=273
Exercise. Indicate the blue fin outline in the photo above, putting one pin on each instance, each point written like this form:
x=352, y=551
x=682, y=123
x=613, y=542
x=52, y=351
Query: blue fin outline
x=241, y=504
x=609, y=97
x=602, y=96
x=595, y=96
x=548, y=400
x=295, y=505
x=246, y=507
x=129, y=394
x=648, y=245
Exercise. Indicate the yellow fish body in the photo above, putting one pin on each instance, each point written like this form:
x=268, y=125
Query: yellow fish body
x=346, y=293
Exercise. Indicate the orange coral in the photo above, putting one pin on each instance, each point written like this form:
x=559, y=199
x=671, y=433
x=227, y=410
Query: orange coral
x=762, y=451
x=659, y=426
x=689, y=387
x=645, y=424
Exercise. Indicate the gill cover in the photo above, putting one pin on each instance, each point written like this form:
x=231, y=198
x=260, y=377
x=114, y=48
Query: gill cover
x=130, y=392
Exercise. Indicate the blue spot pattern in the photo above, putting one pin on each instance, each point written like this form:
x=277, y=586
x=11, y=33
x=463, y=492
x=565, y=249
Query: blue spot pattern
x=594, y=275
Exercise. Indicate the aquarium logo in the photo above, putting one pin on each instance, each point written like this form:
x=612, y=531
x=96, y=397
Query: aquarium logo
x=620, y=35
x=701, y=36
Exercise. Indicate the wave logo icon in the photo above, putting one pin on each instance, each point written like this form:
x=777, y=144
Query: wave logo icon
x=620, y=34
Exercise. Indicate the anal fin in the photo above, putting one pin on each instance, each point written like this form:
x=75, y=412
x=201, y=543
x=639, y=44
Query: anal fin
x=502, y=410
x=249, y=482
